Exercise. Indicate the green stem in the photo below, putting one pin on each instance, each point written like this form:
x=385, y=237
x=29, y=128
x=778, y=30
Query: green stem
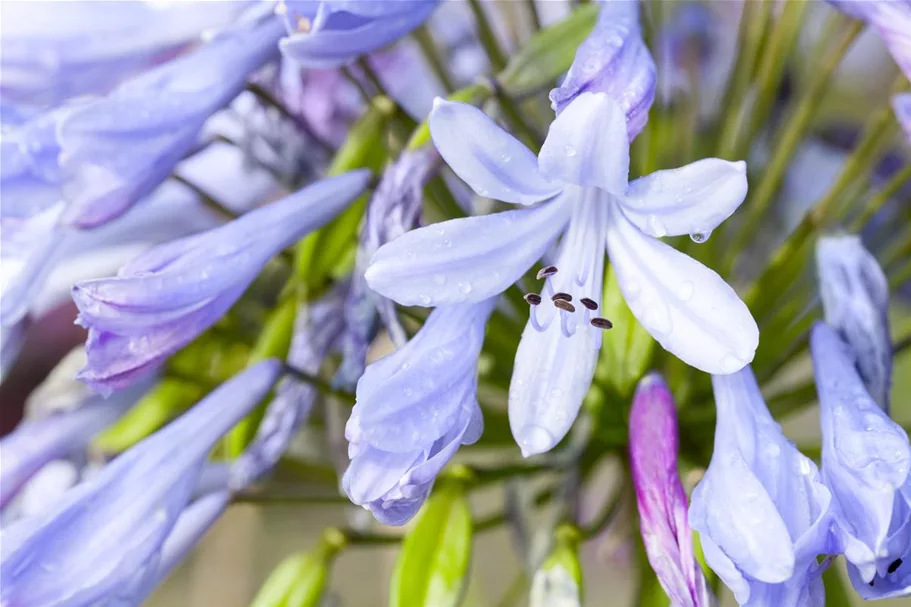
x=533, y=14
x=280, y=498
x=487, y=37
x=205, y=198
x=899, y=179
x=432, y=54
x=267, y=98
x=514, y=114
x=324, y=387
x=608, y=512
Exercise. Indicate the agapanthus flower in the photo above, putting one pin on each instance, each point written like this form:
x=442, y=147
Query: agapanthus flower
x=54, y=51
x=660, y=496
x=855, y=297
x=103, y=540
x=762, y=511
x=866, y=460
x=332, y=33
x=167, y=296
x=892, y=21
x=414, y=409
x=901, y=103
x=394, y=209
x=115, y=150
x=580, y=179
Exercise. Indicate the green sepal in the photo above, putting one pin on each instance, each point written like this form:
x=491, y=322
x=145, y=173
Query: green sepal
x=559, y=580
x=627, y=350
x=432, y=565
x=474, y=94
x=548, y=53
x=158, y=406
x=300, y=580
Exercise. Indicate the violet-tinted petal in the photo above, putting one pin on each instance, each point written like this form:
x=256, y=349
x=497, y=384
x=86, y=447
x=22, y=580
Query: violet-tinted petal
x=855, y=298
x=866, y=460
x=660, y=495
x=490, y=160
x=685, y=306
x=891, y=19
x=465, y=260
x=693, y=199
x=613, y=60
x=587, y=145
x=901, y=104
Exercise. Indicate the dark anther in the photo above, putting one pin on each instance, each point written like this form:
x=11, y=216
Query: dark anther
x=589, y=303
x=871, y=582
x=563, y=296
x=564, y=305
x=533, y=299
x=601, y=323
x=548, y=271
x=894, y=566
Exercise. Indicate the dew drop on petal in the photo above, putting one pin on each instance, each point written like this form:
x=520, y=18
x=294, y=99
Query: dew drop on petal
x=570, y=151
x=556, y=393
x=632, y=289
x=426, y=300
x=439, y=279
x=700, y=237
x=804, y=465
x=465, y=287
x=656, y=227
x=730, y=363
x=535, y=439
x=685, y=291
x=658, y=319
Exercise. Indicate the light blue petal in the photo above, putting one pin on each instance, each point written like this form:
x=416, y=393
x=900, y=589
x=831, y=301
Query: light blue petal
x=693, y=199
x=901, y=104
x=490, y=160
x=587, y=145
x=465, y=260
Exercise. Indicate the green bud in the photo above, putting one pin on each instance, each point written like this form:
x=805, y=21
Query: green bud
x=165, y=401
x=433, y=564
x=548, y=54
x=300, y=580
x=558, y=582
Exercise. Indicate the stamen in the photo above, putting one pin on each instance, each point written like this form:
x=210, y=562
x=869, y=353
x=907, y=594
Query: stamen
x=895, y=565
x=563, y=296
x=567, y=324
x=601, y=323
x=548, y=271
x=564, y=305
x=533, y=319
x=533, y=299
x=589, y=303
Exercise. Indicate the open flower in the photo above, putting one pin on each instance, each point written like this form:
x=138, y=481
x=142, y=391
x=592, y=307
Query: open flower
x=580, y=179
x=414, y=409
x=761, y=510
x=164, y=298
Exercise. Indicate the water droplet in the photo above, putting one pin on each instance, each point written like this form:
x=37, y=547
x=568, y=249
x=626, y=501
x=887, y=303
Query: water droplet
x=426, y=300
x=685, y=291
x=465, y=287
x=658, y=319
x=534, y=440
x=772, y=450
x=447, y=243
x=556, y=393
x=700, y=237
x=656, y=227
x=632, y=290
x=407, y=392
x=730, y=363
x=570, y=151
x=506, y=158
x=804, y=464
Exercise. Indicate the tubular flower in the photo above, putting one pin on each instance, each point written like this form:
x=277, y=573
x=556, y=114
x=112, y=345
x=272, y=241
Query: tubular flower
x=866, y=460
x=660, y=496
x=332, y=33
x=580, y=179
x=414, y=409
x=164, y=298
x=892, y=21
x=855, y=298
x=761, y=510
x=103, y=541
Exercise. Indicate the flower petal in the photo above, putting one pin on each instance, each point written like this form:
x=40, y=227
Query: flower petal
x=490, y=160
x=901, y=104
x=465, y=260
x=693, y=199
x=587, y=145
x=686, y=306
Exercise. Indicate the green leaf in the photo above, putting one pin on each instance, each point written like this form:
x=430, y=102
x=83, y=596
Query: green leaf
x=627, y=349
x=300, y=580
x=837, y=594
x=433, y=564
x=559, y=580
x=548, y=54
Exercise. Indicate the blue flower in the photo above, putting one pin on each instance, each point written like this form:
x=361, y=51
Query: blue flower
x=866, y=461
x=580, y=179
x=414, y=409
x=102, y=541
x=761, y=510
x=164, y=298
x=660, y=497
x=331, y=33
x=901, y=103
x=892, y=21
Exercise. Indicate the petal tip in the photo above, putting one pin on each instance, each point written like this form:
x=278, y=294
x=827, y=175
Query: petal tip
x=534, y=440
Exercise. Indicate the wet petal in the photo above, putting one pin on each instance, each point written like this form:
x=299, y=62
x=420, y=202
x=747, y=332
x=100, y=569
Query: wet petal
x=686, y=306
x=465, y=260
x=490, y=160
x=693, y=199
x=587, y=145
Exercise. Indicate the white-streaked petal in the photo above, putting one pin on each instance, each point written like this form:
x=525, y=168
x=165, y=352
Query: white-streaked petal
x=686, y=306
x=587, y=145
x=490, y=160
x=693, y=199
x=465, y=260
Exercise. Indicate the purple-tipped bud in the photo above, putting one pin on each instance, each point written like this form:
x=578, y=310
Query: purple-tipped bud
x=660, y=495
x=613, y=60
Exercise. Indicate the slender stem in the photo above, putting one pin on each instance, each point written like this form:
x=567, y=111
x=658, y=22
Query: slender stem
x=899, y=179
x=265, y=96
x=515, y=591
x=533, y=14
x=608, y=512
x=487, y=37
x=205, y=198
x=274, y=497
x=432, y=54
x=320, y=384
x=372, y=77
x=514, y=115
x=353, y=79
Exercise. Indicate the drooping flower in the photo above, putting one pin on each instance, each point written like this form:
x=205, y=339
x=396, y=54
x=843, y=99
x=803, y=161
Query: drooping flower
x=866, y=461
x=855, y=298
x=394, y=209
x=332, y=33
x=102, y=541
x=580, y=178
x=414, y=409
x=613, y=60
x=892, y=21
x=901, y=103
x=660, y=496
x=761, y=510
x=164, y=298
